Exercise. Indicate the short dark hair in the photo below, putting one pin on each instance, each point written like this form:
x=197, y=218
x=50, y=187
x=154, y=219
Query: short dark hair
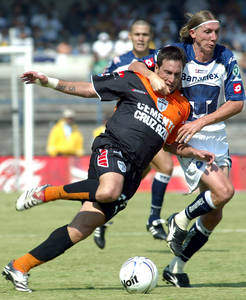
x=170, y=53
x=141, y=22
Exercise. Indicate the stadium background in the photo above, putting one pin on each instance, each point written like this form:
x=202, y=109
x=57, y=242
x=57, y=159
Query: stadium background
x=77, y=24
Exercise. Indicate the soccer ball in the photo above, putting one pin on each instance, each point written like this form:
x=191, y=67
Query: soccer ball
x=138, y=275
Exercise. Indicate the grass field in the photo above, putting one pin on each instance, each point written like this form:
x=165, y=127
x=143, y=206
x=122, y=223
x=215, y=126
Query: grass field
x=217, y=272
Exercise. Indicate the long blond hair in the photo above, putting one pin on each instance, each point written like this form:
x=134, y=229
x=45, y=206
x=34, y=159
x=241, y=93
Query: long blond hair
x=194, y=21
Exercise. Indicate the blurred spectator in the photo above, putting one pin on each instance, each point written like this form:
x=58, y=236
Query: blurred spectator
x=65, y=138
x=64, y=49
x=123, y=44
x=102, y=50
x=45, y=21
x=242, y=66
x=103, y=46
x=98, y=130
x=239, y=39
x=83, y=47
x=193, y=6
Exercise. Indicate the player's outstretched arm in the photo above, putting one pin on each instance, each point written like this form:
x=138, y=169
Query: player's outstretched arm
x=77, y=88
x=186, y=150
x=224, y=112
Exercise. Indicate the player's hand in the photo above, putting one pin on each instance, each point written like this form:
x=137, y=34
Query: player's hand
x=204, y=155
x=31, y=77
x=186, y=132
x=158, y=84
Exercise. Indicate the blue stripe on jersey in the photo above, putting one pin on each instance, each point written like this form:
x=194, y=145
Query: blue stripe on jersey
x=123, y=61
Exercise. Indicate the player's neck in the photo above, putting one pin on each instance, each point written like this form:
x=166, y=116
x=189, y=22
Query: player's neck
x=201, y=55
x=140, y=54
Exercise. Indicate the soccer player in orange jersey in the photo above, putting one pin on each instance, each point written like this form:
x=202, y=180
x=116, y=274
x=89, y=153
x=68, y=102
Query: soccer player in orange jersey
x=142, y=124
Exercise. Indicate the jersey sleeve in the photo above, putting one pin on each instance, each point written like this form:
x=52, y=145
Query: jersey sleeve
x=110, y=87
x=234, y=89
x=150, y=60
x=112, y=66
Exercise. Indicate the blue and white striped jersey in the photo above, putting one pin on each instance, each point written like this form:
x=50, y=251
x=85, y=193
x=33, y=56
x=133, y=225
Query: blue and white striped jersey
x=208, y=85
x=122, y=62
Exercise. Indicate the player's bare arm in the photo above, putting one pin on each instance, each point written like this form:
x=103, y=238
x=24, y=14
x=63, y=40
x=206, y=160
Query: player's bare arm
x=156, y=82
x=188, y=151
x=76, y=88
x=226, y=111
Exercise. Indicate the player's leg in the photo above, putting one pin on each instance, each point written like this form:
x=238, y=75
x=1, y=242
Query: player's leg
x=89, y=217
x=112, y=191
x=82, y=190
x=196, y=238
x=163, y=165
x=220, y=191
x=100, y=232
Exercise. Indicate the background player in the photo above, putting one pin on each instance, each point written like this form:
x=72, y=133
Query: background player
x=212, y=83
x=141, y=35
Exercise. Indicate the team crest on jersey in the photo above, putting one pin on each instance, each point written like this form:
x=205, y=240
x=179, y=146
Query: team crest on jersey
x=199, y=164
x=121, y=166
x=162, y=104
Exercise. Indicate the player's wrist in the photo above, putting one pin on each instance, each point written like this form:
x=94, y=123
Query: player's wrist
x=51, y=82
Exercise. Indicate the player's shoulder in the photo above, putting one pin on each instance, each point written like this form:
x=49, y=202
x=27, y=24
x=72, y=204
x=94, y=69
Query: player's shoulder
x=120, y=61
x=223, y=55
x=125, y=58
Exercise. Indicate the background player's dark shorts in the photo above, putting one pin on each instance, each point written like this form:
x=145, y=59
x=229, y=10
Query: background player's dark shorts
x=104, y=160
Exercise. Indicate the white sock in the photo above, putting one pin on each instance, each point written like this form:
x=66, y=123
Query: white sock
x=177, y=265
x=181, y=220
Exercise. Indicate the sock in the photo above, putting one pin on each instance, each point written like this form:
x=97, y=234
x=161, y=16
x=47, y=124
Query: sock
x=196, y=238
x=202, y=205
x=56, y=244
x=26, y=262
x=181, y=220
x=176, y=265
x=159, y=186
x=82, y=190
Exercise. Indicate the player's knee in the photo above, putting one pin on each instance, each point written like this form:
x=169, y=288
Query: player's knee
x=108, y=194
x=166, y=167
x=224, y=194
x=75, y=234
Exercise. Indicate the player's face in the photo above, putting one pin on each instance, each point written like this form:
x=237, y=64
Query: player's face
x=140, y=36
x=170, y=71
x=206, y=36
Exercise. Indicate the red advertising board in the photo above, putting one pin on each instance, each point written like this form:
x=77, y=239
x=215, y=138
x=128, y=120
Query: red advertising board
x=63, y=170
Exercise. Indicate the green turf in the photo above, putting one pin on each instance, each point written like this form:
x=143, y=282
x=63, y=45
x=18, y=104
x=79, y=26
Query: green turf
x=217, y=272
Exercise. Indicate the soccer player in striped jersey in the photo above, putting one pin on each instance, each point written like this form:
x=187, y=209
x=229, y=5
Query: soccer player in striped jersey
x=212, y=83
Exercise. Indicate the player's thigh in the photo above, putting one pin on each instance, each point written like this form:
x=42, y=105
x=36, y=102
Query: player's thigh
x=111, y=183
x=162, y=162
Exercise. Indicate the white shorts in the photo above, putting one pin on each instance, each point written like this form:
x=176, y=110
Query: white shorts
x=215, y=142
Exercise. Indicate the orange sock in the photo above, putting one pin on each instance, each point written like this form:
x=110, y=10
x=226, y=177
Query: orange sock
x=26, y=262
x=57, y=192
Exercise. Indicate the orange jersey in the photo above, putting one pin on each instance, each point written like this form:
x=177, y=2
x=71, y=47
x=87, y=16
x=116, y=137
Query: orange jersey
x=144, y=120
x=174, y=107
